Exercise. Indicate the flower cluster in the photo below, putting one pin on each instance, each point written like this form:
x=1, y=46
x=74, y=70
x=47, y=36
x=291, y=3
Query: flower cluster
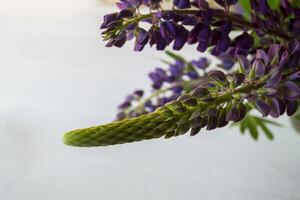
x=269, y=83
x=259, y=70
x=167, y=85
x=196, y=23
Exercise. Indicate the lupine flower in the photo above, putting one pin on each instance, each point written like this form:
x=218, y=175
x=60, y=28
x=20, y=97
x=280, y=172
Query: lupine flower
x=260, y=69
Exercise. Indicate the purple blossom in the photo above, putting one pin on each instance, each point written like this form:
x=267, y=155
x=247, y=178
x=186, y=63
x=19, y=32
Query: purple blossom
x=274, y=107
x=202, y=63
x=226, y=2
x=141, y=40
x=182, y=4
x=180, y=38
x=259, y=67
x=262, y=107
x=129, y=4
x=176, y=69
x=291, y=91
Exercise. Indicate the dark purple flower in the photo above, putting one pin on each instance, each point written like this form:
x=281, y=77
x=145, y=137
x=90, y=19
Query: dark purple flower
x=222, y=45
x=291, y=91
x=200, y=92
x=177, y=89
x=233, y=114
x=243, y=43
x=242, y=111
x=182, y=4
x=193, y=36
x=226, y=2
x=203, y=38
x=176, y=69
x=124, y=105
x=238, y=78
x=156, y=38
x=202, y=63
x=202, y=4
x=295, y=76
x=270, y=90
x=274, y=107
x=261, y=54
x=217, y=75
x=259, y=67
x=139, y=93
x=192, y=74
x=212, y=123
x=244, y=62
x=108, y=20
x=141, y=40
x=222, y=118
x=284, y=58
x=262, y=107
x=260, y=6
x=168, y=29
x=227, y=61
x=158, y=77
x=180, y=38
x=129, y=4
x=286, y=7
x=273, y=53
x=275, y=78
x=291, y=108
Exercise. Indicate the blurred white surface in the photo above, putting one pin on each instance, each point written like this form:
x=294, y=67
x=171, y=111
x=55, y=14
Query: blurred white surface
x=56, y=75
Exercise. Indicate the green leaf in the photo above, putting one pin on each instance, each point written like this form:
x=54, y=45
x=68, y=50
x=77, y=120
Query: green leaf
x=245, y=4
x=296, y=3
x=254, y=125
x=243, y=127
x=252, y=128
x=266, y=130
x=175, y=56
x=274, y=4
x=268, y=121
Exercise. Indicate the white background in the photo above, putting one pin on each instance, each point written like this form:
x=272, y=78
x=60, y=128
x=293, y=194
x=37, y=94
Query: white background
x=56, y=75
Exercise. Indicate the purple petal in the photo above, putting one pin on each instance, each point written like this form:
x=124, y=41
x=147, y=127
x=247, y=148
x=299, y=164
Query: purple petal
x=295, y=76
x=262, y=107
x=259, y=67
x=238, y=78
x=181, y=38
x=261, y=54
x=275, y=78
x=141, y=40
x=291, y=91
x=274, y=108
x=202, y=63
x=212, y=123
x=182, y=4
x=273, y=53
x=291, y=108
x=139, y=93
x=244, y=62
x=233, y=114
x=217, y=75
x=284, y=59
x=192, y=75
x=200, y=92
